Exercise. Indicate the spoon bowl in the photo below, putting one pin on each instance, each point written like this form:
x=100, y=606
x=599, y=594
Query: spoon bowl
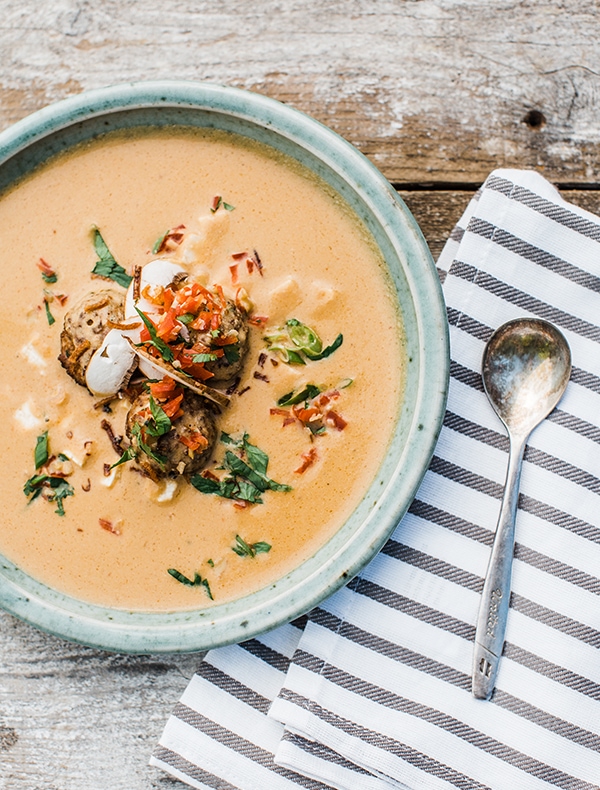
x=526, y=367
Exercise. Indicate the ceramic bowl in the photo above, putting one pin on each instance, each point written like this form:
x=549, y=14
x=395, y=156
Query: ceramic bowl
x=371, y=197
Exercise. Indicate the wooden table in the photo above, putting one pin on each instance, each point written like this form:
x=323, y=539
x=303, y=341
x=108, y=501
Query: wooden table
x=435, y=92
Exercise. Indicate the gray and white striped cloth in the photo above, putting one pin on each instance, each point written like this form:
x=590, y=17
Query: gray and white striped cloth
x=373, y=690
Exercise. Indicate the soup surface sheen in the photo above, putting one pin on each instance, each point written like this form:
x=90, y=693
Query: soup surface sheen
x=319, y=266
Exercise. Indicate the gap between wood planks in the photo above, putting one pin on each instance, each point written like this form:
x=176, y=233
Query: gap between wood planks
x=438, y=206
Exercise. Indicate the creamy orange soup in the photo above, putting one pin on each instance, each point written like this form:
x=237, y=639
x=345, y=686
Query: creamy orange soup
x=121, y=532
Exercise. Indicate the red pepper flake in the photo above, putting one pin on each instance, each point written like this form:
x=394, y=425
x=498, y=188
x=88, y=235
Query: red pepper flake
x=170, y=240
x=308, y=459
x=250, y=264
x=46, y=269
x=209, y=475
x=237, y=256
x=262, y=358
x=258, y=320
x=106, y=469
x=336, y=420
x=86, y=486
x=261, y=376
x=280, y=412
x=109, y=526
x=234, y=273
x=274, y=362
x=216, y=202
x=61, y=299
x=194, y=441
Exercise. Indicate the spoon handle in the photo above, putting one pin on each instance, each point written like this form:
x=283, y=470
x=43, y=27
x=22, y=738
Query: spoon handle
x=493, y=609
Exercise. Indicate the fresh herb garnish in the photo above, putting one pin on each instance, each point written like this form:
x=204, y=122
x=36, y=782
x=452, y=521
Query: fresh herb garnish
x=197, y=581
x=128, y=455
x=42, y=481
x=232, y=353
x=244, y=549
x=218, y=202
x=162, y=423
x=305, y=343
x=246, y=477
x=40, y=453
x=159, y=344
x=292, y=398
x=136, y=431
x=60, y=489
x=106, y=265
x=159, y=242
x=49, y=316
x=204, y=358
x=48, y=273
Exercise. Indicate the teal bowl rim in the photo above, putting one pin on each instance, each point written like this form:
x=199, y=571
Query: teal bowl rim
x=419, y=293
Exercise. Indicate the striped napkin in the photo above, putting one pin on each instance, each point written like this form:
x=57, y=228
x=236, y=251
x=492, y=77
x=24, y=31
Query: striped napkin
x=373, y=689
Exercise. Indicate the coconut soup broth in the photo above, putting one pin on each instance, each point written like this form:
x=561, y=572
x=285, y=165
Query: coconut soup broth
x=319, y=267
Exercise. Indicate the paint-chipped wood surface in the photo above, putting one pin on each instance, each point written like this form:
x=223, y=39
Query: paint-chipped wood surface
x=436, y=92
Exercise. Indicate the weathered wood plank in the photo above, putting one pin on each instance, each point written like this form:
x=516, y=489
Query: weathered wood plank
x=437, y=91
x=73, y=718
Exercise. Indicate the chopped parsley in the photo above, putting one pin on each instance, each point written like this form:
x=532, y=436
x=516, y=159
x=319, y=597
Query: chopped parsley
x=296, y=343
x=244, y=549
x=197, y=581
x=246, y=473
x=106, y=265
x=54, y=487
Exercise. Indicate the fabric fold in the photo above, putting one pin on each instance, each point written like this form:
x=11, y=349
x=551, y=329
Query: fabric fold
x=374, y=691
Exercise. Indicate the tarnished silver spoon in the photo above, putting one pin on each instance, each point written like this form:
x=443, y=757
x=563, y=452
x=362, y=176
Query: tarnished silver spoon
x=526, y=367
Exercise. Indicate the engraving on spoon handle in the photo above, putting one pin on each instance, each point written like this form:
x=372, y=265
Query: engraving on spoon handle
x=493, y=609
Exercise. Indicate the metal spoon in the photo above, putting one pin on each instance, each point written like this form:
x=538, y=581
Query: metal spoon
x=526, y=367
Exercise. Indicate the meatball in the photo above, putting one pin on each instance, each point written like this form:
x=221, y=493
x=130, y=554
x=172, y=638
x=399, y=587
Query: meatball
x=85, y=327
x=196, y=427
x=233, y=322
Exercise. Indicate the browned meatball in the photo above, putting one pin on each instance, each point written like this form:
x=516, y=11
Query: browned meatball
x=196, y=424
x=85, y=327
x=233, y=323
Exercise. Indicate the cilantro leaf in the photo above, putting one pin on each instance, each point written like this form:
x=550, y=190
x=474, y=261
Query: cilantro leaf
x=244, y=549
x=106, y=265
x=128, y=455
x=136, y=431
x=204, y=358
x=197, y=581
x=62, y=489
x=162, y=423
x=165, y=351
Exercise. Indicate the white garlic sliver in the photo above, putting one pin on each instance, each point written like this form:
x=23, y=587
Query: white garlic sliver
x=110, y=365
x=159, y=272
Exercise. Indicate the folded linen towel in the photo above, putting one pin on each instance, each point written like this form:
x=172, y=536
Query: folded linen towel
x=373, y=691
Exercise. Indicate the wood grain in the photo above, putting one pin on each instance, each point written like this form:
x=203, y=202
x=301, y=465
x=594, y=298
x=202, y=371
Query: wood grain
x=435, y=92
x=430, y=91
